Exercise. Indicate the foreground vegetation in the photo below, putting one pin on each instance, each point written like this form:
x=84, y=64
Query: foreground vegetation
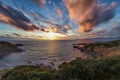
x=98, y=69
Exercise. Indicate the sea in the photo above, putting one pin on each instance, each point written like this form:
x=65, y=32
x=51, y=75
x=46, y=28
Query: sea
x=37, y=52
x=41, y=52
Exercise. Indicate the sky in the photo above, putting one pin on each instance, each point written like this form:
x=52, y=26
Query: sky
x=59, y=19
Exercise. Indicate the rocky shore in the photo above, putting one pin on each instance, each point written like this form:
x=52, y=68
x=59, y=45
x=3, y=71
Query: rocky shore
x=99, y=49
x=7, y=47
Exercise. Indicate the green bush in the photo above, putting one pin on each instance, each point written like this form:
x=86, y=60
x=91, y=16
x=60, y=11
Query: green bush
x=98, y=69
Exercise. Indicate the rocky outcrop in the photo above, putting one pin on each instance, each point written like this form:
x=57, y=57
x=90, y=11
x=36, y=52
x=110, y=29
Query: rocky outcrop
x=99, y=49
x=7, y=47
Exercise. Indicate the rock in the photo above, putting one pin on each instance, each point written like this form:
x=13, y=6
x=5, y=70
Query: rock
x=19, y=44
x=98, y=49
x=7, y=47
x=62, y=65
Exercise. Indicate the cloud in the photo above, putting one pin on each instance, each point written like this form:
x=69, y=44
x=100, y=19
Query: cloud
x=15, y=18
x=17, y=35
x=44, y=30
x=104, y=32
x=56, y=28
x=59, y=11
x=115, y=32
x=33, y=20
x=40, y=2
x=90, y=13
x=38, y=18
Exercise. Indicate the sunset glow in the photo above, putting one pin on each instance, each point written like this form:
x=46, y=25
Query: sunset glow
x=51, y=36
x=59, y=19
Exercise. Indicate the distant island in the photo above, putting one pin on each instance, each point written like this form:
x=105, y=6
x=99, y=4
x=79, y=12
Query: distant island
x=7, y=47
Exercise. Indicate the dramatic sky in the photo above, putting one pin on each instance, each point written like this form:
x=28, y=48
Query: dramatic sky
x=59, y=19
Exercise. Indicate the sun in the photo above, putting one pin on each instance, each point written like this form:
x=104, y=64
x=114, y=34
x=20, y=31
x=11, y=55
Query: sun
x=51, y=36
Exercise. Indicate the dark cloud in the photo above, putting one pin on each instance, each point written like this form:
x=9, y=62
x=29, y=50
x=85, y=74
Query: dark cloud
x=17, y=35
x=90, y=13
x=19, y=19
x=104, y=32
x=56, y=28
x=44, y=30
x=16, y=18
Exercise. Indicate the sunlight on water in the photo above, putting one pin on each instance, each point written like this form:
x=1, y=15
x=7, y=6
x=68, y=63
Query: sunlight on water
x=44, y=52
x=39, y=51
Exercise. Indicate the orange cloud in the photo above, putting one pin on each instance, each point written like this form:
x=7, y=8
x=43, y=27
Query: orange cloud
x=89, y=13
x=40, y=2
x=5, y=18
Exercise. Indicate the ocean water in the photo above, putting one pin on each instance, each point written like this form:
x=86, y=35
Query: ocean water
x=45, y=52
x=37, y=52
